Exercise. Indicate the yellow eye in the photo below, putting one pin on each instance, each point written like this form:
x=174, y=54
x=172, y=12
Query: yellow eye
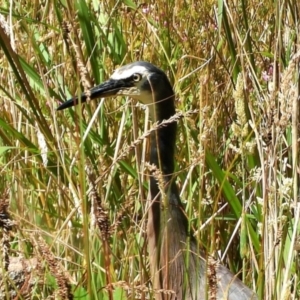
x=137, y=77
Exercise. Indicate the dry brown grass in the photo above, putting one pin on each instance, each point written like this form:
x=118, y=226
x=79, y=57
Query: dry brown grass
x=236, y=64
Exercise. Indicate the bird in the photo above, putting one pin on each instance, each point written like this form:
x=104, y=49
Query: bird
x=179, y=270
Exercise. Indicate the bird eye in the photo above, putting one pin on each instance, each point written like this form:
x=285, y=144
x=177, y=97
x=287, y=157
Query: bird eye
x=137, y=77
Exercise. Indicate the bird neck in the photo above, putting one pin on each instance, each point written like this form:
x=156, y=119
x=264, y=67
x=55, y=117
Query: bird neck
x=162, y=149
x=163, y=139
x=164, y=192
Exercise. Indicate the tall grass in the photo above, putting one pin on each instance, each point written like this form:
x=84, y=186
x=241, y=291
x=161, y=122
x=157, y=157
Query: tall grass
x=74, y=183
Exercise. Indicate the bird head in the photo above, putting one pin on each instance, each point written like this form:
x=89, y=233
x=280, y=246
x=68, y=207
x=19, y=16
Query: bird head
x=139, y=80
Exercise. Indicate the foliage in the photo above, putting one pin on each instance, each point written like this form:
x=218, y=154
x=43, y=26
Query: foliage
x=76, y=181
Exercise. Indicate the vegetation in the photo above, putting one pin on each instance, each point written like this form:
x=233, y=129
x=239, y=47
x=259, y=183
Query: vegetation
x=74, y=183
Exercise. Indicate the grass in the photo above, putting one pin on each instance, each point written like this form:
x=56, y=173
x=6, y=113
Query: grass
x=74, y=190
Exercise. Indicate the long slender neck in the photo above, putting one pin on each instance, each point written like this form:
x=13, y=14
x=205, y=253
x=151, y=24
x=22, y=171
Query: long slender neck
x=163, y=139
x=163, y=148
x=162, y=156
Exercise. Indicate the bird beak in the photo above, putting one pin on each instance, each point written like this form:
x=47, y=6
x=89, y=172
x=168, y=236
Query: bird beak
x=108, y=88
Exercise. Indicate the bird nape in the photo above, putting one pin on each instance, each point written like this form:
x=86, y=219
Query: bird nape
x=178, y=270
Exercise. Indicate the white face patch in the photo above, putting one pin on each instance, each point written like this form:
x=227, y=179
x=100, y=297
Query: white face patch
x=124, y=72
x=132, y=92
x=136, y=92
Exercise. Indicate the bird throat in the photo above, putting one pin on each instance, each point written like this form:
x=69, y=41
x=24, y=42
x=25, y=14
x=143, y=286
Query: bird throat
x=164, y=194
x=162, y=148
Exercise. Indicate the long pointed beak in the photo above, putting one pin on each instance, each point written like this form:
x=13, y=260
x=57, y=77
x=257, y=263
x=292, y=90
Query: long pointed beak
x=106, y=89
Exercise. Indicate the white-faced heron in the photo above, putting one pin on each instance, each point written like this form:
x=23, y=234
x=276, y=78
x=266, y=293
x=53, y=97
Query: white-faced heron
x=176, y=264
